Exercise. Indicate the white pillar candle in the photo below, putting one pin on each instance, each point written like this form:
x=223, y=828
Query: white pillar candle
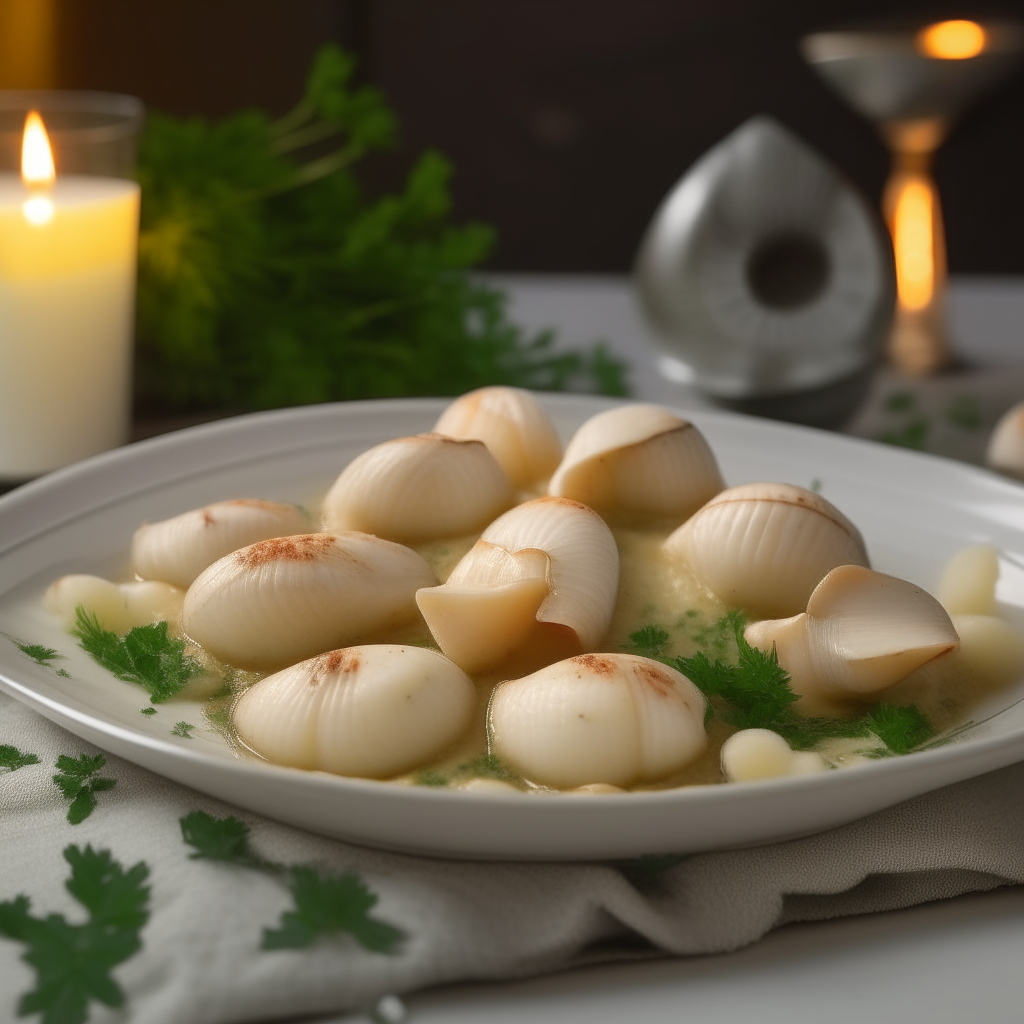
x=67, y=298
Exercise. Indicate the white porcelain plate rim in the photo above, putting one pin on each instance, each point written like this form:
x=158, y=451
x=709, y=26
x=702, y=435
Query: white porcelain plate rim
x=964, y=505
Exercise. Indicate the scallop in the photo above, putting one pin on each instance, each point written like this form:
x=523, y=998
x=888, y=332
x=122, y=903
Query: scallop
x=177, y=550
x=540, y=584
x=373, y=711
x=515, y=427
x=609, y=719
x=764, y=547
x=639, y=459
x=280, y=601
x=420, y=488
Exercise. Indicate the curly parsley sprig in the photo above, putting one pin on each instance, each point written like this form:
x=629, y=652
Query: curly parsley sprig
x=145, y=655
x=754, y=693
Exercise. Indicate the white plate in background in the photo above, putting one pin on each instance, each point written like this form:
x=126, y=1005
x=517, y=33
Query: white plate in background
x=914, y=511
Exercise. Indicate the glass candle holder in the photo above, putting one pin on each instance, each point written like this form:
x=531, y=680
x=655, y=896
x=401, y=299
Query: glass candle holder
x=68, y=259
x=914, y=80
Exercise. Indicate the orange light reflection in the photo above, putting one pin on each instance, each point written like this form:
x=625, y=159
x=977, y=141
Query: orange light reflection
x=952, y=40
x=913, y=240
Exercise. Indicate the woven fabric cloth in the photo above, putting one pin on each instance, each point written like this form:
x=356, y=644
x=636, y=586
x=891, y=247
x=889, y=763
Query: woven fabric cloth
x=201, y=960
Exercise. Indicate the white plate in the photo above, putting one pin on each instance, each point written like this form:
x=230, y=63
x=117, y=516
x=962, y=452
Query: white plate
x=914, y=511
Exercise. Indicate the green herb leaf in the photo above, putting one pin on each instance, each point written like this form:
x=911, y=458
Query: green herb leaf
x=73, y=962
x=913, y=435
x=326, y=905
x=37, y=652
x=900, y=727
x=268, y=277
x=77, y=779
x=900, y=401
x=754, y=693
x=222, y=839
x=145, y=655
x=648, y=642
x=965, y=412
x=11, y=758
x=147, y=711
x=183, y=729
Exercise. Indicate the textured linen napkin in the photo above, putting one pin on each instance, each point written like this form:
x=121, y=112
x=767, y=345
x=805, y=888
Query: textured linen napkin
x=201, y=960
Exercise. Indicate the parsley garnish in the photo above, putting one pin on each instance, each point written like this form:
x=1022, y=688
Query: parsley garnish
x=965, y=412
x=487, y=766
x=754, y=693
x=223, y=839
x=325, y=904
x=76, y=780
x=183, y=729
x=12, y=758
x=913, y=435
x=37, y=652
x=73, y=962
x=147, y=711
x=648, y=642
x=145, y=655
x=268, y=277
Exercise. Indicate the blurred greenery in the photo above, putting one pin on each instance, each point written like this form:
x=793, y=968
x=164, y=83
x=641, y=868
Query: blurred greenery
x=268, y=277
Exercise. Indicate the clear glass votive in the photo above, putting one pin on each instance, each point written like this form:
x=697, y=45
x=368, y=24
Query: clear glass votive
x=91, y=132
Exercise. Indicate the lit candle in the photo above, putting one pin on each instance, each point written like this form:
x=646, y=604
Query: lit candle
x=67, y=297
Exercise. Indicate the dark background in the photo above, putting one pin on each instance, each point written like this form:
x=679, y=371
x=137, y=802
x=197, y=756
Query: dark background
x=567, y=120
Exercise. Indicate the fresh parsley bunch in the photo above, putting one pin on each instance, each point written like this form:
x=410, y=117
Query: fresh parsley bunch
x=268, y=277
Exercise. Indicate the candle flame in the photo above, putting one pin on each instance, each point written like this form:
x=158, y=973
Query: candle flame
x=36, y=155
x=952, y=40
x=913, y=239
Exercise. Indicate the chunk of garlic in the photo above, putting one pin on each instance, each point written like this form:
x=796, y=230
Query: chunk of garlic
x=373, y=711
x=279, y=601
x=1005, y=452
x=991, y=652
x=598, y=718
x=515, y=427
x=862, y=632
x=540, y=584
x=638, y=459
x=177, y=550
x=968, y=584
x=764, y=547
x=117, y=607
x=417, y=489
x=754, y=754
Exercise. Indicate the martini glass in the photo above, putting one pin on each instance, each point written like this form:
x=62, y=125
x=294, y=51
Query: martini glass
x=914, y=82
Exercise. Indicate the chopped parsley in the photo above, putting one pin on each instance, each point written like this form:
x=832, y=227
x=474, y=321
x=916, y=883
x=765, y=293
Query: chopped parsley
x=222, y=839
x=487, y=766
x=147, y=711
x=754, y=693
x=37, y=652
x=145, y=655
x=77, y=779
x=183, y=729
x=324, y=904
x=73, y=962
x=11, y=758
x=648, y=642
x=965, y=412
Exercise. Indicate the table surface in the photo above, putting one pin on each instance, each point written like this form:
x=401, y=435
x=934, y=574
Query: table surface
x=940, y=962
